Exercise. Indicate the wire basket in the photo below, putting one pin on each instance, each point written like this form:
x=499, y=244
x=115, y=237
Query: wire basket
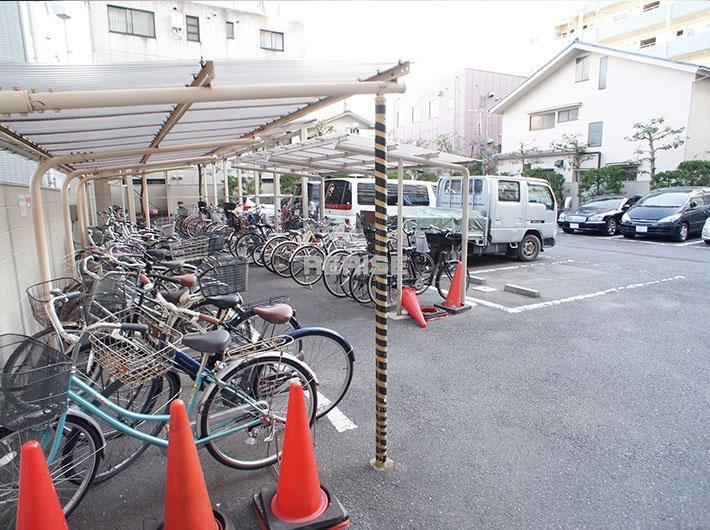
x=131, y=357
x=113, y=293
x=39, y=295
x=189, y=249
x=33, y=384
x=216, y=243
x=164, y=225
x=228, y=276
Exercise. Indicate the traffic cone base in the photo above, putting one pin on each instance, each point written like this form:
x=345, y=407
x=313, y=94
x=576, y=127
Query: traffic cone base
x=411, y=304
x=334, y=517
x=38, y=506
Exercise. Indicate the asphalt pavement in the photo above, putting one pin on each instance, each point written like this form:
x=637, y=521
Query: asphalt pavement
x=587, y=407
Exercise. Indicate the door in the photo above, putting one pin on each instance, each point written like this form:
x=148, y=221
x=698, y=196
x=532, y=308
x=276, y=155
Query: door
x=696, y=213
x=508, y=213
x=541, y=209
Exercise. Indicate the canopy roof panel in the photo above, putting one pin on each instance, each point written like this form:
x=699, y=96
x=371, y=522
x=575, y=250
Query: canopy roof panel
x=345, y=154
x=49, y=133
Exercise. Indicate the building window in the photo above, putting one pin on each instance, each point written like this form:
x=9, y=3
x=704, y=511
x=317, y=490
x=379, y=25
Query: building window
x=272, y=40
x=508, y=191
x=679, y=33
x=131, y=21
x=647, y=43
x=434, y=108
x=416, y=115
x=230, y=30
x=568, y=115
x=396, y=119
x=581, y=69
x=602, y=72
x=542, y=121
x=651, y=6
x=594, y=137
x=192, y=28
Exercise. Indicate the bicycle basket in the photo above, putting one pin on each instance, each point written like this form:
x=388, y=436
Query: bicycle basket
x=189, y=249
x=215, y=243
x=131, y=357
x=113, y=293
x=33, y=383
x=39, y=296
x=229, y=276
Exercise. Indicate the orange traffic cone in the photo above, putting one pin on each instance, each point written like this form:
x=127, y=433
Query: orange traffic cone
x=411, y=304
x=38, y=505
x=187, y=503
x=299, y=500
x=453, y=304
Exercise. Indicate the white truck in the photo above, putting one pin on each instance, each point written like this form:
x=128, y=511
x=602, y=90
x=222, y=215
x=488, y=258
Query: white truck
x=516, y=216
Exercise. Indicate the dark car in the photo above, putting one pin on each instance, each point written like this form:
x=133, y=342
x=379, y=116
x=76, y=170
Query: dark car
x=669, y=212
x=601, y=215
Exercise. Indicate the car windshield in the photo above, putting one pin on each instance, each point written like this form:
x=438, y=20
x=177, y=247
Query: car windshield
x=604, y=204
x=669, y=199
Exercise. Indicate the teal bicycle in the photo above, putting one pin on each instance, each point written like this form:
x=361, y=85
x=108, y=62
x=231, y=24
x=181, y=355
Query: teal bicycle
x=238, y=400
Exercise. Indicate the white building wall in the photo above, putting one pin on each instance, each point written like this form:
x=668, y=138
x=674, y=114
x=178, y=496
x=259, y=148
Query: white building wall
x=698, y=145
x=635, y=92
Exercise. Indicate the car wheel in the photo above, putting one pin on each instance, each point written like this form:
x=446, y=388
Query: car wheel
x=529, y=248
x=682, y=234
x=611, y=227
x=568, y=231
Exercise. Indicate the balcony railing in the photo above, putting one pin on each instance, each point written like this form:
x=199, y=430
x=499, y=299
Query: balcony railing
x=689, y=44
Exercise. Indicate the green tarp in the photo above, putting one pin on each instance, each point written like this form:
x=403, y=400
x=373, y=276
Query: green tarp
x=426, y=216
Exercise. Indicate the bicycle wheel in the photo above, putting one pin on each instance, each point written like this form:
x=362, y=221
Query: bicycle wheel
x=257, y=254
x=445, y=276
x=72, y=469
x=281, y=257
x=153, y=397
x=332, y=272
x=350, y=264
x=331, y=359
x=244, y=245
x=359, y=280
x=306, y=265
x=391, y=290
x=268, y=250
x=258, y=435
x=423, y=268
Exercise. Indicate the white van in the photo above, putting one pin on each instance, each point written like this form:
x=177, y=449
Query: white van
x=518, y=214
x=346, y=198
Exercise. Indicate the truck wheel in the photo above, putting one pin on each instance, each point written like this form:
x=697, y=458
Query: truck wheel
x=529, y=248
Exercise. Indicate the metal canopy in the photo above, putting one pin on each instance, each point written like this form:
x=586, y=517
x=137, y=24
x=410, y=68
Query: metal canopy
x=345, y=154
x=79, y=130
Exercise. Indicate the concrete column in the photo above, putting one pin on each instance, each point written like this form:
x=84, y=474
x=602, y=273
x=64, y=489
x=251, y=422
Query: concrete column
x=131, y=199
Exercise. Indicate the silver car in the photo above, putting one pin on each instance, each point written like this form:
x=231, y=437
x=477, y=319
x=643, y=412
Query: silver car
x=706, y=231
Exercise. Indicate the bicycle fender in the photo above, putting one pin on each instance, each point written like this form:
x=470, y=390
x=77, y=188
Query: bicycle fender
x=75, y=411
x=324, y=332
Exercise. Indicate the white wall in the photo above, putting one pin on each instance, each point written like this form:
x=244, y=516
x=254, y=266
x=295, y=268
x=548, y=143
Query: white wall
x=698, y=146
x=635, y=92
x=18, y=257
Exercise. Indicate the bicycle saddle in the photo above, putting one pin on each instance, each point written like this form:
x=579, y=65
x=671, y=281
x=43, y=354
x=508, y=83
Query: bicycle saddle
x=275, y=314
x=211, y=342
x=186, y=280
x=158, y=253
x=224, y=301
x=173, y=296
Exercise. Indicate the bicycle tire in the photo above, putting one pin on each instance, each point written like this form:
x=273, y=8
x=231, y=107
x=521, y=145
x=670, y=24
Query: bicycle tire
x=268, y=250
x=445, y=275
x=248, y=376
x=244, y=245
x=303, y=262
x=332, y=271
x=281, y=258
x=358, y=282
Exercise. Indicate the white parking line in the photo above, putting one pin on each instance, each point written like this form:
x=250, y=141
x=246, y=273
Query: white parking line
x=339, y=420
x=523, y=266
x=559, y=301
x=660, y=243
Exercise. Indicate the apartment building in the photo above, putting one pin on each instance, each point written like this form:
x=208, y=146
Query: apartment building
x=597, y=94
x=452, y=113
x=678, y=30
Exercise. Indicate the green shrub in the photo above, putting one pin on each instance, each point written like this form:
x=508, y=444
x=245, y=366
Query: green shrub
x=602, y=180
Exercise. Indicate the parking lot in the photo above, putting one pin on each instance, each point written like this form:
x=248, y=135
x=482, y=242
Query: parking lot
x=585, y=407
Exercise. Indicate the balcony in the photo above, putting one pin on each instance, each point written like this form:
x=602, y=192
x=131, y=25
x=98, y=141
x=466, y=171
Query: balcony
x=685, y=9
x=687, y=45
x=634, y=22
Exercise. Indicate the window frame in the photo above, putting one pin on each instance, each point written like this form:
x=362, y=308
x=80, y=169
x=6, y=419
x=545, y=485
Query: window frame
x=649, y=43
x=651, y=6
x=433, y=108
x=345, y=193
x=271, y=34
x=549, y=193
x=568, y=110
x=601, y=133
x=603, y=71
x=229, y=25
x=127, y=10
x=583, y=60
x=517, y=185
x=187, y=28
x=541, y=114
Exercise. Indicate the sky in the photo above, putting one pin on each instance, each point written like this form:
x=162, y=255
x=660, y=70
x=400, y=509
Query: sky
x=436, y=37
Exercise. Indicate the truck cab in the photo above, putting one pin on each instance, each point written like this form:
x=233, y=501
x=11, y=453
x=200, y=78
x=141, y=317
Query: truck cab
x=520, y=213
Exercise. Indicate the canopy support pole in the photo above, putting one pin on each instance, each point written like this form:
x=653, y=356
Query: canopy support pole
x=277, y=202
x=80, y=214
x=304, y=183
x=321, y=200
x=464, y=231
x=380, y=461
x=257, y=188
x=214, y=184
x=146, y=201
x=400, y=233
x=240, y=188
x=128, y=181
x=225, y=163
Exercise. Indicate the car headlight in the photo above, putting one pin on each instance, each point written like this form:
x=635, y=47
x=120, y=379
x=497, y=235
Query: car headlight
x=561, y=217
x=626, y=218
x=598, y=217
x=670, y=218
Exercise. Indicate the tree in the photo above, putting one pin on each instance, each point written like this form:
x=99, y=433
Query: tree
x=525, y=154
x=323, y=128
x=554, y=179
x=656, y=136
x=688, y=173
x=572, y=145
x=444, y=143
x=607, y=179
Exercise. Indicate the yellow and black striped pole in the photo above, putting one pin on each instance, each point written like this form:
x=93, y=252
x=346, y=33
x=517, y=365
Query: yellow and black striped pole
x=380, y=461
